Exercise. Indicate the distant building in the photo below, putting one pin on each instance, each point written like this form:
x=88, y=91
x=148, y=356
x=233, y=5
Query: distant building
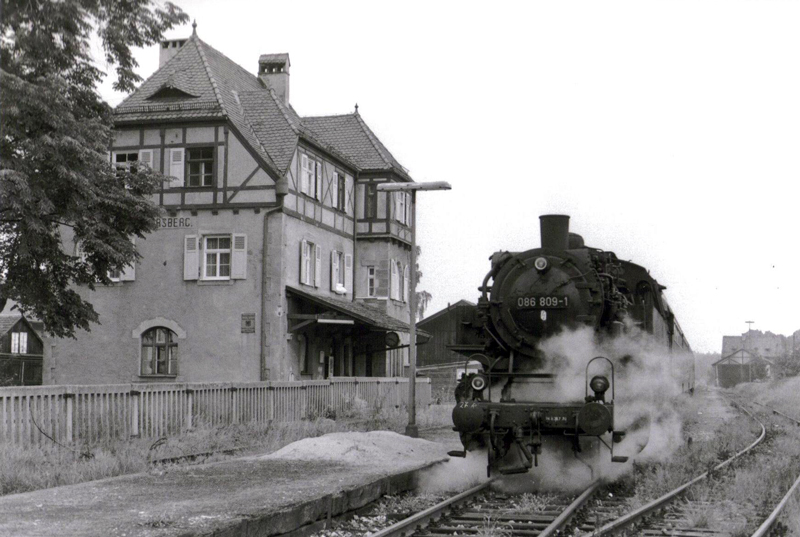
x=751, y=356
x=741, y=366
x=440, y=359
x=21, y=352
x=764, y=344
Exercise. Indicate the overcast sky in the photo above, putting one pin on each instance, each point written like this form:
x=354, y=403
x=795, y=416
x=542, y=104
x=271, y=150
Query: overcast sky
x=669, y=131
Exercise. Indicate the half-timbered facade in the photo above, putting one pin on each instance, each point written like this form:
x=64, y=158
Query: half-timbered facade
x=275, y=257
x=21, y=352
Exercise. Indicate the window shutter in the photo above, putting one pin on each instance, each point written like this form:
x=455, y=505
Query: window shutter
x=191, y=258
x=304, y=254
x=409, y=208
x=401, y=207
x=348, y=272
x=304, y=174
x=176, y=167
x=335, y=191
x=146, y=157
x=395, y=283
x=318, y=168
x=348, y=195
x=318, y=266
x=334, y=269
x=239, y=257
x=406, y=282
x=128, y=274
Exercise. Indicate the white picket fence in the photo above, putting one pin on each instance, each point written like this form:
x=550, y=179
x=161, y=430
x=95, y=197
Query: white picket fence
x=90, y=414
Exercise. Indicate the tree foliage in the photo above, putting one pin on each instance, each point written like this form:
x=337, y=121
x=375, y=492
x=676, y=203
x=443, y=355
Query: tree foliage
x=423, y=298
x=54, y=166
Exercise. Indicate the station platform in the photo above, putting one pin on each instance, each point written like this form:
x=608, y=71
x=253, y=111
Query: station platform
x=256, y=495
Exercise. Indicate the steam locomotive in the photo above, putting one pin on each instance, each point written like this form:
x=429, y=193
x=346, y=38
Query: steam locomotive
x=510, y=406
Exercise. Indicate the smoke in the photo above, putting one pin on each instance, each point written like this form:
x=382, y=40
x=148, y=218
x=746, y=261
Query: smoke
x=646, y=379
x=456, y=474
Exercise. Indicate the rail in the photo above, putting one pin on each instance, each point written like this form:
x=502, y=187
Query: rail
x=633, y=516
x=36, y=415
x=407, y=525
x=766, y=526
x=414, y=522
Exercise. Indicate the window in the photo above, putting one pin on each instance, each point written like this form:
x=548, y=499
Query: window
x=201, y=166
x=132, y=160
x=310, y=177
x=126, y=161
x=338, y=188
x=305, y=358
x=310, y=263
x=19, y=343
x=159, y=352
x=371, y=201
x=217, y=258
x=337, y=272
x=372, y=283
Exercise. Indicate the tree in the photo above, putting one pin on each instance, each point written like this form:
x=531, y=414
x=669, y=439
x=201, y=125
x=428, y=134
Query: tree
x=54, y=166
x=422, y=297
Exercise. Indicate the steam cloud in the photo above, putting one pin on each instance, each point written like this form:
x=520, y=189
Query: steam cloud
x=647, y=378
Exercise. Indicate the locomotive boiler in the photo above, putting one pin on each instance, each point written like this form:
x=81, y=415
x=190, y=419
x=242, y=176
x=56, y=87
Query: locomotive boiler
x=512, y=404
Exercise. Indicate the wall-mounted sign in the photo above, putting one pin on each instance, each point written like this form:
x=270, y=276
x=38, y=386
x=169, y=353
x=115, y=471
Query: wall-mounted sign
x=174, y=222
x=248, y=323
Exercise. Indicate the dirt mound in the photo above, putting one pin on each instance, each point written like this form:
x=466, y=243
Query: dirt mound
x=362, y=448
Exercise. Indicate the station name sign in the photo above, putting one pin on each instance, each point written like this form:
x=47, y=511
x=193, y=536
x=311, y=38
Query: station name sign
x=174, y=222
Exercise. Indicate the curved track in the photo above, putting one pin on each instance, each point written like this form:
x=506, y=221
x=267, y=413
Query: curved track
x=767, y=525
x=659, y=503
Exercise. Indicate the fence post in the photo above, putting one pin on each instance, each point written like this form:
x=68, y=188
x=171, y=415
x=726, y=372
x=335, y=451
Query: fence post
x=271, y=391
x=70, y=399
x=397, y=393
x=304, y=402
x=187, y=422
x=234, y=406
x=135, y=400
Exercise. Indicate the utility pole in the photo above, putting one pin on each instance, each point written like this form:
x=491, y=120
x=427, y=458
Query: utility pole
x=411, y=429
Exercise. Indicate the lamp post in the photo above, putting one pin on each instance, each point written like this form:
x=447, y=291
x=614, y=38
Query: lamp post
x=411, y=428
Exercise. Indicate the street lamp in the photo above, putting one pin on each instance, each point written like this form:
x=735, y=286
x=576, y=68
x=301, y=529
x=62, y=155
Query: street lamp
x=411, y=428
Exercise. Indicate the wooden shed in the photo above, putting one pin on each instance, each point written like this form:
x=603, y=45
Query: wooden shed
x=741, y=366
x=21, y=352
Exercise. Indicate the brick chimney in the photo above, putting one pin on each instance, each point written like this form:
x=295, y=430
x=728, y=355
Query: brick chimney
x=168, y=49
x=273, y=70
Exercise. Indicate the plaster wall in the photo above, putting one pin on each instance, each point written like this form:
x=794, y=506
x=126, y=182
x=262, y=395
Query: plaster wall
x=209, y=313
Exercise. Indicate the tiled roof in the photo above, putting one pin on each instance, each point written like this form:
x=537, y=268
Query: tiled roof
x=358, y=311
x=356, y=140
x=217, y=87
x=7, y=322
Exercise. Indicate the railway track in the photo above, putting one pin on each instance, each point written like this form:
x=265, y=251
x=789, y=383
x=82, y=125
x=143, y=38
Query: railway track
x=479, y=512
x=476, y=512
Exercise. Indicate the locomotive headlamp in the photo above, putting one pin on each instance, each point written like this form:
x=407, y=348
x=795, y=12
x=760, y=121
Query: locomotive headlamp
x=540, y=263
x=478, y=382
x=599, y=385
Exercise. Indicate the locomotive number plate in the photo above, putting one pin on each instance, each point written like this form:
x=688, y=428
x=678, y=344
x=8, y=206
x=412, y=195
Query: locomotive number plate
x=542, y=302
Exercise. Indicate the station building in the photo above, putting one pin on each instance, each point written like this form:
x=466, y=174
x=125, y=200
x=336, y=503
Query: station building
x=276, y=257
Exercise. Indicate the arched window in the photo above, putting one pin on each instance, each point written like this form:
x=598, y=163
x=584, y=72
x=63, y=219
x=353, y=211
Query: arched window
x=159, y=352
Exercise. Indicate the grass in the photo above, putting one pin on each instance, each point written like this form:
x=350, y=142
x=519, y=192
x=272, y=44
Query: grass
x=24, y=469
x=533, y=503
x=737, y=498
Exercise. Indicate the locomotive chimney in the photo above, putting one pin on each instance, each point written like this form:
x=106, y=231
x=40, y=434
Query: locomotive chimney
x=555, y=231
